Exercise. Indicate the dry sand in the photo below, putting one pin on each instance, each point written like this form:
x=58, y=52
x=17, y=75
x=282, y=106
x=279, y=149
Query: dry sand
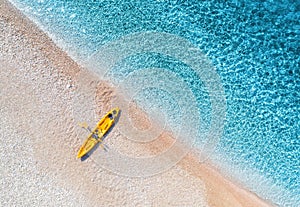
x=40, y=138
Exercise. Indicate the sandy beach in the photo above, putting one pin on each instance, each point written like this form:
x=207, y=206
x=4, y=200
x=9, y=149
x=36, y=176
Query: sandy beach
x=39, y=137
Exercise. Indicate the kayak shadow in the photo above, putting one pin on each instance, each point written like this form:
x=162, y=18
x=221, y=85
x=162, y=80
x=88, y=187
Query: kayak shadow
x=87, y=155
x=105, y=147
x=84, y=157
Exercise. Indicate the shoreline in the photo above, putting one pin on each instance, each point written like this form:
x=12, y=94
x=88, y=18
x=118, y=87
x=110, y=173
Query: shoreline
x=201, y=178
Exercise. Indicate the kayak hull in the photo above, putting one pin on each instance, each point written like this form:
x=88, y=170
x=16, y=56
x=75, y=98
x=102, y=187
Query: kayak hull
x=98, y=132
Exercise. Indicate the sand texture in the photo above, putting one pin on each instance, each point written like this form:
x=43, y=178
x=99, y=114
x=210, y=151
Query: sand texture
x=40, y=137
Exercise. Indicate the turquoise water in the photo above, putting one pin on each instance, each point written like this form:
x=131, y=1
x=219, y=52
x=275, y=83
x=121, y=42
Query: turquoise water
x=255, y=48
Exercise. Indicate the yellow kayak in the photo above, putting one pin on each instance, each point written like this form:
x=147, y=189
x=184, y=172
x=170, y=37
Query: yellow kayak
x=98, y=132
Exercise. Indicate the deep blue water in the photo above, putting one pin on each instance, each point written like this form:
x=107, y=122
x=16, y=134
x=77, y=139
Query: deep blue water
x=255, y=46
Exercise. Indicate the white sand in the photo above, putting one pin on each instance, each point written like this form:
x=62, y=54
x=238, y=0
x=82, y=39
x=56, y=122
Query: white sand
x=38, y=159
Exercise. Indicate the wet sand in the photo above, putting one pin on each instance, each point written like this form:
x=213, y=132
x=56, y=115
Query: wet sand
x=40, y=137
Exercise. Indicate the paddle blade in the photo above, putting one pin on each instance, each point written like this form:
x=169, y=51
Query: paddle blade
x=85, y=126
x=103, y=146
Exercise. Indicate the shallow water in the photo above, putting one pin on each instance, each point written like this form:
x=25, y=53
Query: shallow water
x=254, y=46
